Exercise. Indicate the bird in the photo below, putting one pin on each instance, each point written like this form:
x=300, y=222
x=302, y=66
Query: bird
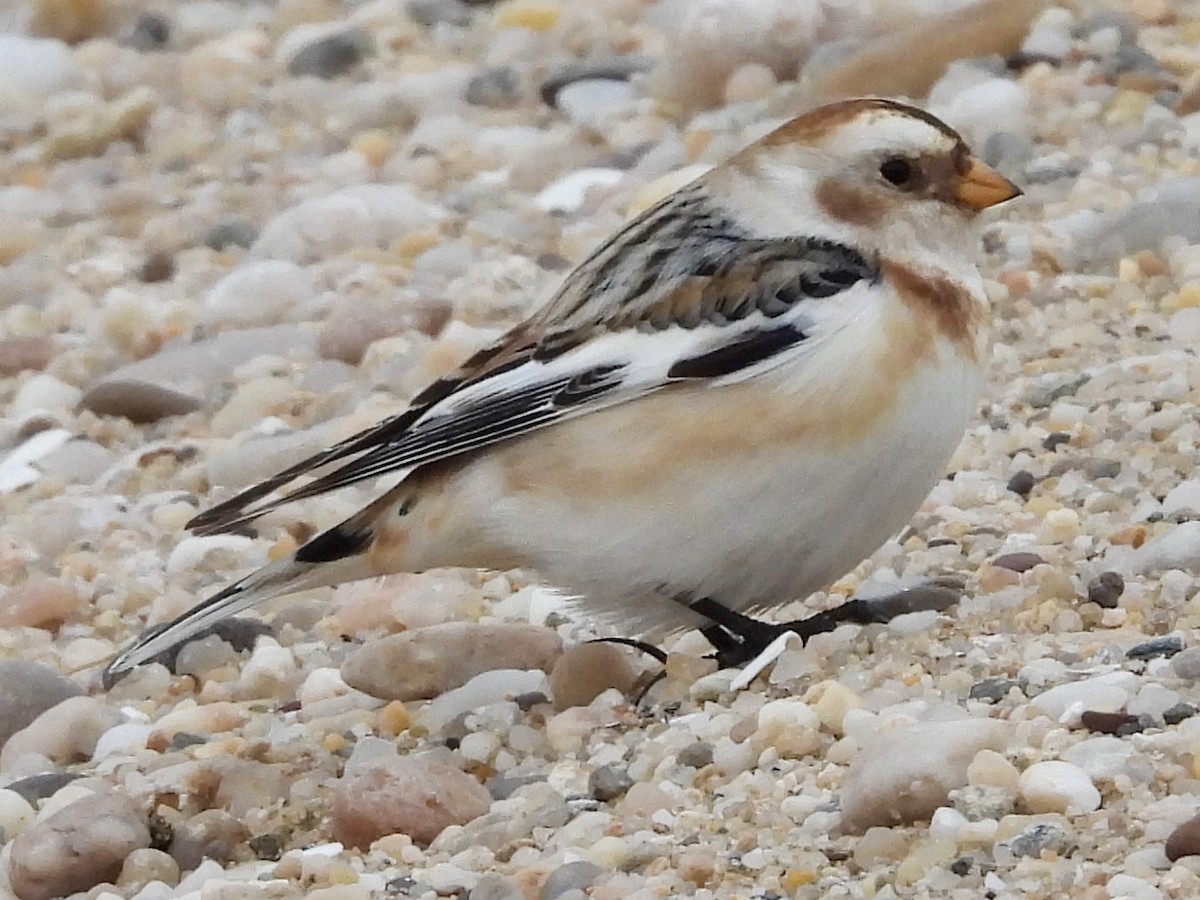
x=729, y=404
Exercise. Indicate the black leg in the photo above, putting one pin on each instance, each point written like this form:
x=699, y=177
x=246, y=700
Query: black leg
x=738, y=639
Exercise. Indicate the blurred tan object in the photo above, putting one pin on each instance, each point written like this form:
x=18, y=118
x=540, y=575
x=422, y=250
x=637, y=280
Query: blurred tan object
x=909, y=62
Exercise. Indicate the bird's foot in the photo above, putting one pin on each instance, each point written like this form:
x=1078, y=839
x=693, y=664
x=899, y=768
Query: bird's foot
x=739, y=640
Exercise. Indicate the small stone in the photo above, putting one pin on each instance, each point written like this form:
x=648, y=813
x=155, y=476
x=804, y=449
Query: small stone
x=29, y=690
x=230, y=232
x=95, y=833
x=258, y=293
x=414, y=795
x=145, y=865
x=1105, y=590
x=590, y=102
x=65, y=733
x=585, y=671
x=150, y=32
x=993, y=690
x=1018, y=562
x=1117, y=723
x=330, y=55
x=572, y=876
x=493, y=886
x=497, y=87
x=36, y=788
x=157, y=267
x=1105, y=693
x=1056, y=439
x=18, y=354
x=904, y=774
x=356, y=323
x=70, y=21
x=1175, y=714
x=210, y=834
x=439, y=12
x=601, y=68
x=1022, y=483
x=1040, y=838
x=1059, y=787
x=138, y=401
x=1165, y=647
x=697, y=755
x=427, y=662
x=608, y=783
x=267, y=846
x=1184, y=840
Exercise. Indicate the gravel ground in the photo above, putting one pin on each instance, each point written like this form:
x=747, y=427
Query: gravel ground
x=233, y=232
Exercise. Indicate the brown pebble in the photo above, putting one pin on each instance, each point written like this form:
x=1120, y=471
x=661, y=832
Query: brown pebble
x=585, y=671
x=71, y=21
x=210, y=834
x=414, y=795
x=1018, y=562
x=39, y=603
x=1184, y=840
x=95, y=834
x=427, y=662
x=138, y=401
x=18, y=354
x=1117, y=723
x=158, y=266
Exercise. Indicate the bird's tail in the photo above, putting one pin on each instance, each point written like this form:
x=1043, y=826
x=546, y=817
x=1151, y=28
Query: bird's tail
x=274, y=580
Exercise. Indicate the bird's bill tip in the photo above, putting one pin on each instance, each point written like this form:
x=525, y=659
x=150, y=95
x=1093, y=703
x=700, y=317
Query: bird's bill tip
x=981, y=186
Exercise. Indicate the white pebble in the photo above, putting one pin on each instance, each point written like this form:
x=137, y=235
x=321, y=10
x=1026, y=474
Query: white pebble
x=43, y=393
x=1104, y=693
x=125, y=739
x=190, y=551
x=259, y=293
x=1057, y=786
x=15, y=813
x=568, y=193
x=1128, y=887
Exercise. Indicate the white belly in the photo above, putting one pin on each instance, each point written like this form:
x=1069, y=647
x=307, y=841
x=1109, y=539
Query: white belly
x=753, y=495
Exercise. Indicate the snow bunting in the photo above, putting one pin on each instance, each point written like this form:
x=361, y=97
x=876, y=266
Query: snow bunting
x=728, y=405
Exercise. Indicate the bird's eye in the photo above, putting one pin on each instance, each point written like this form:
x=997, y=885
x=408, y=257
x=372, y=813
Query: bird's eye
x=897, y=171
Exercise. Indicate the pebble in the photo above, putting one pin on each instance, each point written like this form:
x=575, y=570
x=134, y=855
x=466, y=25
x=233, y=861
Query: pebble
x=151, y=31
x=1173, y=715
x=439, y=12
x=95, y=833
x=1184, y=840
x=1101, y=758
x=496, y=87
x=414, y=795
x=427, y=662
x=259, y=292
x=1060, y=787
x=1018, y=562
x=569, y=193
x=616, y=69
x=140, y=402
x=1022, y=483
x=37, y=66
x=573, y=876
x=357, y=322
x=16, y=814
x=1111, y=722
x=372, y=215
x=905, y=773
x=40, y=603
x=1103, y=693
x=494, y=886
x=209, y=834
x=608, y=783
x=1105, y=589
x=34, y=352
x=66, y=732
x=1039, y=838
x=230, y=231
x=314, y=50
x=993, y=690
x=1129, y=887
x=585, y=671
x=36, y=788
x=30, y=689
x=1164, y=647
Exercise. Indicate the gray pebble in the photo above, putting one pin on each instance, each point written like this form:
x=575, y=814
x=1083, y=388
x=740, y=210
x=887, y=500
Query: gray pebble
x=697, y=755
x=1186, y=664
x=1107, y=18
x=331, y=55
x=982, y=802
x=1165, y=647
x=993, y=690
x=1018, y=562
x=1022, y=483
x=29, y=690
x=1129, y=58
x=230, y=231
x=1054, y=388
x=210, y=834
x=1040, y=837
x=601, y=68
x=1175, y=714
x=39, y=787
x=493, y=886
x=572, y=876
x=150, y=32
x=1055, y=439
x=439, y=12
x=498, y=87
x=609, y=783
x=138, y=401
x=1105, y=590
x=501, y=787
x=1007, y=151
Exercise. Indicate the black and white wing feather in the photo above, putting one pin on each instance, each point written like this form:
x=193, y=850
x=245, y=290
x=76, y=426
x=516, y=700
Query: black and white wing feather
x=681, y=294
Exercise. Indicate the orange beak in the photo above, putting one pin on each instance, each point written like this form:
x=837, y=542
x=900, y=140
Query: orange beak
x=981, y=186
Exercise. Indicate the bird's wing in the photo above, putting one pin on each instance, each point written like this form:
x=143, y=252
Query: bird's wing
x=720, y=306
